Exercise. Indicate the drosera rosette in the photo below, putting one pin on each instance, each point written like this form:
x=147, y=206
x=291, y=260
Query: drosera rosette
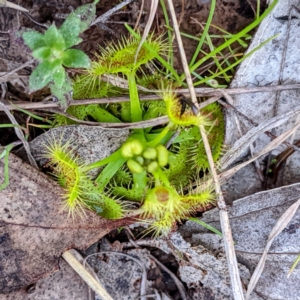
x=163, y=205
x=160, y=227
x=199, y=196
x=186, y=116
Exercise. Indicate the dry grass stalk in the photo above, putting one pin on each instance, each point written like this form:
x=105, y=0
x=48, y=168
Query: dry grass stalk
x=224, y=218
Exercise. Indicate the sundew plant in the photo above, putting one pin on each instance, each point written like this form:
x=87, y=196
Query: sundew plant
x=158, y=168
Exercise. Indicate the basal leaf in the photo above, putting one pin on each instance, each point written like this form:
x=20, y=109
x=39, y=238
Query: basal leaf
x=86, y=13
x=70, y=30
x=41, y=76
x=42, y=53
x=54, y=38
x=73, y=58
x=34, y=39
x=63, y=94
x=59, y=76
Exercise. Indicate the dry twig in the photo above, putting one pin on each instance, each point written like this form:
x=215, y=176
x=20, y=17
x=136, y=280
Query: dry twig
x=200, y=92
x=223, y=177
x=70, y=257
x=144, y=274
x=20, y=135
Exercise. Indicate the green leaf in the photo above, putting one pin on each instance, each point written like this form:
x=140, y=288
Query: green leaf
x=63, y=94
x=211, y=228
x=54, y=38
x=73, y=58
x=70, y=30
x=59, y=76
x=77, y=22
x=86, y=13
x=42, y=53
x=34, y=39
x=41, y=76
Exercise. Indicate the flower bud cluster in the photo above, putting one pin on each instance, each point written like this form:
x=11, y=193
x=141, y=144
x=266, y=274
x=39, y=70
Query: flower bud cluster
x=142, y=158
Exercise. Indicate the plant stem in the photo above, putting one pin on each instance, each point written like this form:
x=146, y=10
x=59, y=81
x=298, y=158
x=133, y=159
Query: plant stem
x=160, y=136
x=108, y=172
x=140, y=180
x=135, y=107
x=163, y=178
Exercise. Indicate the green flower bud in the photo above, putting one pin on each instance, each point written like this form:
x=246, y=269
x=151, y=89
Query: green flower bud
x=134, y=166
x=150, y=153
x=152, y=167
x=140, y=160
x=163, y=155
x=131, y=148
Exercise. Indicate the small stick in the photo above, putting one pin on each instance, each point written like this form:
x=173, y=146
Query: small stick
x=144, y=274
x=178, y=283
x=268, y=133
x=153, y=9
x=140, y=15
x=103, y=18
x=71, y=259
x=13, y=6
x=141, y=124
x=200, y=92
x=182, y=55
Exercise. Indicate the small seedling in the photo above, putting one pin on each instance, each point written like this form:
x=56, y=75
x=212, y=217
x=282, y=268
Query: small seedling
x=52, y=50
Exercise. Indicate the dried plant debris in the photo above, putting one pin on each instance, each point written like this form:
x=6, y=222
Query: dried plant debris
x=204, y=273
x=252, y=220
x=274, y=64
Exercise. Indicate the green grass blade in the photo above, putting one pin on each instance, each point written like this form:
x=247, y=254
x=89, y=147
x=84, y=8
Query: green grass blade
x=233, y=39
x=205, y=32
x=113, y=157
x=5, y=156
x=27, y=112
x=218, y=65
x=235, y=63
x=294, y=265
x=170, y=37
x=108, y=172
x=12, y=125
x=213, y=229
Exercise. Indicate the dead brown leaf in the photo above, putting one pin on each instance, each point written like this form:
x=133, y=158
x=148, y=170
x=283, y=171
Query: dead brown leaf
x=34, y=231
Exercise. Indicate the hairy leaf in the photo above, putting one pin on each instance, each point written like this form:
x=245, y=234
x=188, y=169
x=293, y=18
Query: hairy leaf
x=70, y=30
x=54, y=38
x=63, y=94
x=77, y=22
x=41, y=76
x=42, y=53
x=59, y=76
x=34, y=39
x=73, y=58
